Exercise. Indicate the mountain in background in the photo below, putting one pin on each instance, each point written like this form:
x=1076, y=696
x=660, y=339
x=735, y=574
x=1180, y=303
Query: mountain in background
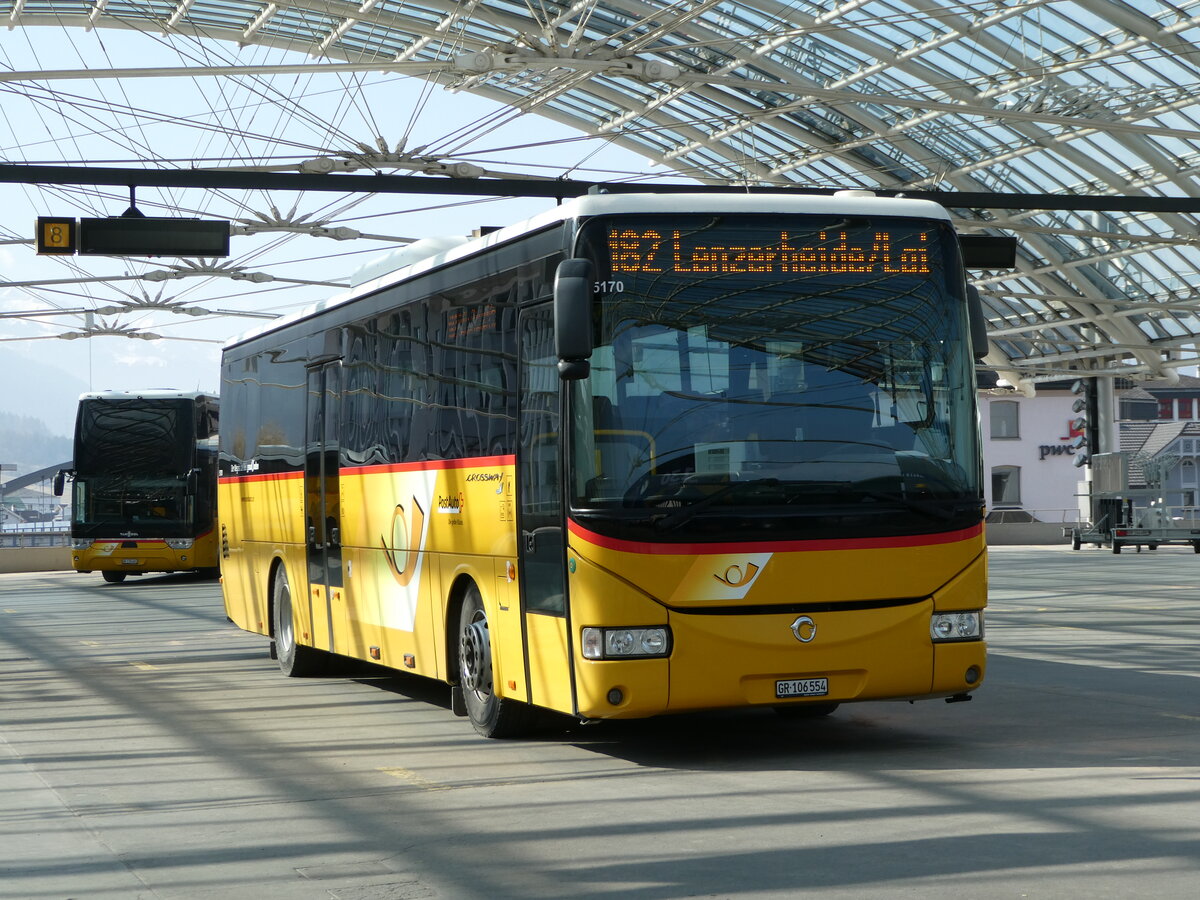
x=27, y=443
x=33, y=386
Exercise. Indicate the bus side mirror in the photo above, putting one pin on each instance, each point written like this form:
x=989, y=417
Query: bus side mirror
x=60, y=480
x=573, y=318
x=979, y=335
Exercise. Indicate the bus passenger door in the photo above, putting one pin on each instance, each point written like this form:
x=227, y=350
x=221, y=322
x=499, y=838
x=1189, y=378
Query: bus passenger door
x=542, y=539
x=322, y=512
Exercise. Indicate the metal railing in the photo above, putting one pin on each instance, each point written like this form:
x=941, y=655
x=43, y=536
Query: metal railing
x=35, y=534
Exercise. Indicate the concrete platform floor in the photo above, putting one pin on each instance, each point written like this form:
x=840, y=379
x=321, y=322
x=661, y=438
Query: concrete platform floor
x=150, y=750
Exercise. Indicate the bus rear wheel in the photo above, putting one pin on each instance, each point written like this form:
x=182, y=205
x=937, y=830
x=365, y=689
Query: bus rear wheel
x=295, y=660
x=113, y=577
x=490, y=715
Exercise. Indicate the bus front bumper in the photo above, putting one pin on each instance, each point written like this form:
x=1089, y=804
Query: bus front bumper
x=142, y=556
x=784, y=659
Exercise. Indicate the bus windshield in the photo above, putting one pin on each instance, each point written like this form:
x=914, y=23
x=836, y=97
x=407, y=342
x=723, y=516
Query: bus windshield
x=139, y=462
x=796, y=378
x=150, y=505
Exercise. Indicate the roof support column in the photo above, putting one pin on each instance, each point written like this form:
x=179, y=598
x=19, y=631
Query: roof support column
x=1106, y=399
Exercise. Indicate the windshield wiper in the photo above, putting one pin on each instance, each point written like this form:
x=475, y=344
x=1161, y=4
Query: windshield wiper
x=830, y=497
x=670, y=520
x=941, y=508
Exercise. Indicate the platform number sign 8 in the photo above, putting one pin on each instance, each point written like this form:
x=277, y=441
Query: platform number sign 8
x=56, y=235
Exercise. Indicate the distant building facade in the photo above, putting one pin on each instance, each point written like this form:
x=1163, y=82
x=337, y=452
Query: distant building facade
x=1160, y=430
x=1029, y=464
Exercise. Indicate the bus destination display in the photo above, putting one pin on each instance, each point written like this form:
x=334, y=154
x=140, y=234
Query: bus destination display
x=673, y=251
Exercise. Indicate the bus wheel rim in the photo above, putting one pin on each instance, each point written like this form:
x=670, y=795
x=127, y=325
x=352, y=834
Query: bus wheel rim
x=475, y=656
x=283, y=602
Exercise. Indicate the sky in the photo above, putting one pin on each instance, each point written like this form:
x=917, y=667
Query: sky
x=276, y=121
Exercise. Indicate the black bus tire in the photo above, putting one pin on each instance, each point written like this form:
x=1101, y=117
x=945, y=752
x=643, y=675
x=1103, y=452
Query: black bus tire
x=490, y=715
x=113, y=577
x=295, y=660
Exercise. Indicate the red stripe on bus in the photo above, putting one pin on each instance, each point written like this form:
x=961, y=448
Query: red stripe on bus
x=908, y=540
x=427, y=465
x=268, y=476
x=148, y=540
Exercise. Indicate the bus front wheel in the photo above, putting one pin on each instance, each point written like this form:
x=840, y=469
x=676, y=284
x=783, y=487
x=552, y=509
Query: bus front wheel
x=113, y=577
x=295, y=660
x=490, y=715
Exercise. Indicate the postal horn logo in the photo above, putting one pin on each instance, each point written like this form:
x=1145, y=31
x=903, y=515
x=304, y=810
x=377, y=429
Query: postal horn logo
x=736, y=576
x=405, y=547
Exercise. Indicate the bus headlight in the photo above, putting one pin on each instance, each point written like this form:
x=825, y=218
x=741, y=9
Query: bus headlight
x=956, y=626
x=80, y=543
x=180, y=543
x=626, y=643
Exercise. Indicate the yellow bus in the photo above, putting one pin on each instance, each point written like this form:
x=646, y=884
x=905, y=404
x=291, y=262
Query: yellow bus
x=145, y=483
x=642, y=454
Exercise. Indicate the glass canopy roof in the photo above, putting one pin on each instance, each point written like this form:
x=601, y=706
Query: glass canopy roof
x=1072, y=99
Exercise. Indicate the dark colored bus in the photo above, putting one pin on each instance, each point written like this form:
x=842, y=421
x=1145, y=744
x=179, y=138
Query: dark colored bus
x=145, y=483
